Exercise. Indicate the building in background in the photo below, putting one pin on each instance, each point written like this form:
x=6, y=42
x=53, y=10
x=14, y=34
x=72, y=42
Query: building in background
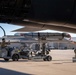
x=63, y=45
x=52, y=45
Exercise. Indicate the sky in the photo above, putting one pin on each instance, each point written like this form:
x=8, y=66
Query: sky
x=8, y=28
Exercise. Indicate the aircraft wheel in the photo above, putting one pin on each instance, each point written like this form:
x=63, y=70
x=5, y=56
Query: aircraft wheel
x=15, y=57
x=49, y=58
x=6, y=59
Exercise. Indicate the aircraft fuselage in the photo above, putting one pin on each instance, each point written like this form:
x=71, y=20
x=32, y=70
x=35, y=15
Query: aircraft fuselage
x=59, y=11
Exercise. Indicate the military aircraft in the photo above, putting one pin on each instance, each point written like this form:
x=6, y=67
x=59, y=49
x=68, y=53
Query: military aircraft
x=39, y=14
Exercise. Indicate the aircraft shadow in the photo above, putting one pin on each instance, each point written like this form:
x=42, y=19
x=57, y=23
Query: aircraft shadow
x=11, y=72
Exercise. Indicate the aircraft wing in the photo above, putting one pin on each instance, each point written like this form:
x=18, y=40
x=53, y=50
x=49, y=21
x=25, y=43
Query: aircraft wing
x=36, y=26
x=57, y=15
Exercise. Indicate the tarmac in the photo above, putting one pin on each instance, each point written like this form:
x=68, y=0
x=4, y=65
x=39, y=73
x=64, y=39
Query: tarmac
x=60, y=65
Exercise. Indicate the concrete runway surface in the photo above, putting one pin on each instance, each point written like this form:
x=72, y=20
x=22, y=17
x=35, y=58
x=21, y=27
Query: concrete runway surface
x=60, y=65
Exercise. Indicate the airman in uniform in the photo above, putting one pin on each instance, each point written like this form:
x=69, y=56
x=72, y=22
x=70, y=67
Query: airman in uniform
x=3, y=44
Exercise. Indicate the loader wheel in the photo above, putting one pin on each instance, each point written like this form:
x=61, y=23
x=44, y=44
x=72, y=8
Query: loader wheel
x=44, y=59
x=15, y=57
x=6, y=59
x=49, y=58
